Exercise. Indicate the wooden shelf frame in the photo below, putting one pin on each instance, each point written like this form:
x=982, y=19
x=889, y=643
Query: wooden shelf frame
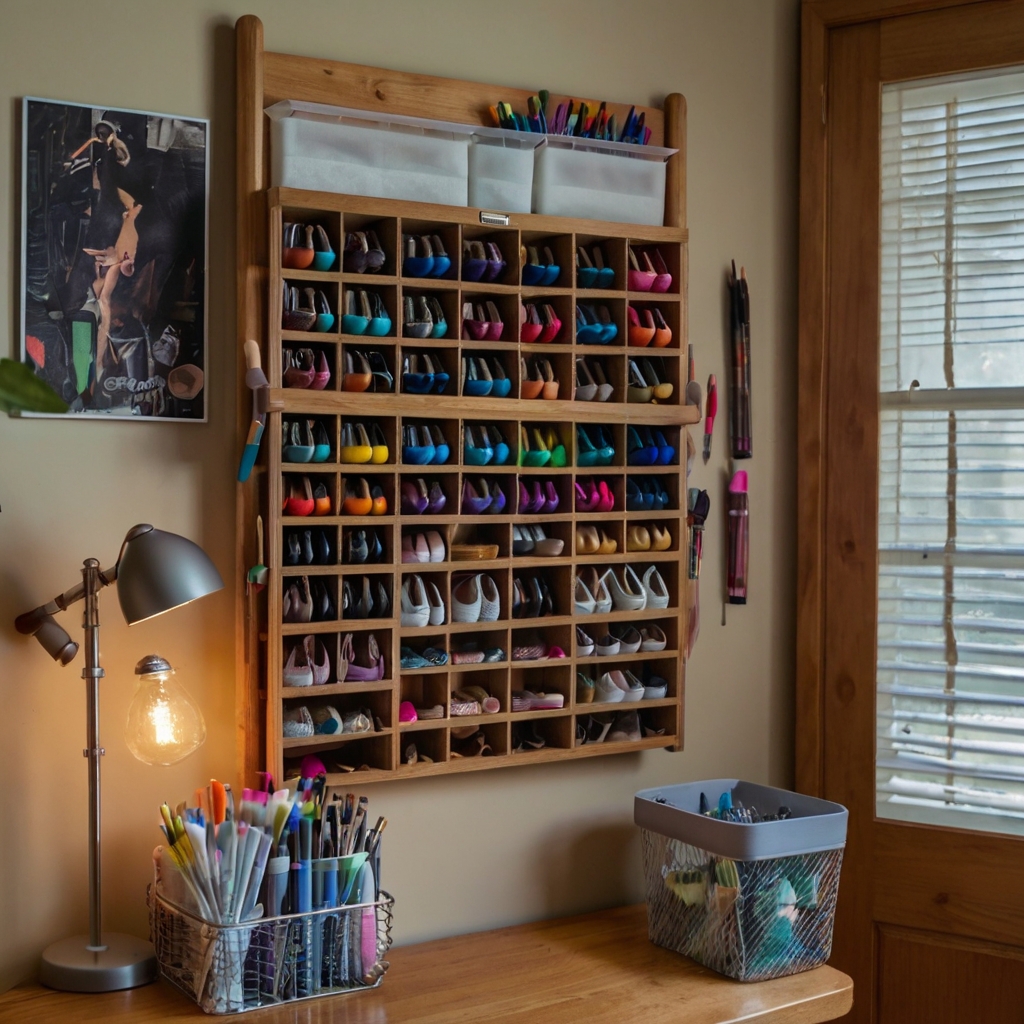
x=263, y=78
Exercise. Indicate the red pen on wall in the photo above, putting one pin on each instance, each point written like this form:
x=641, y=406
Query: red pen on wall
x=710, y=411
x=739, y=538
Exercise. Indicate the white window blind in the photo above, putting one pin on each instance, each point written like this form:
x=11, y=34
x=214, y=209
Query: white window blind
x=950, y=668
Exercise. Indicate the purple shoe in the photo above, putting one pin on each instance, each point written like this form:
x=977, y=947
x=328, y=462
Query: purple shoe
x=495, y=261
x=552, y=496
x=414, y=498
x=369, y=652
x=498, y=498
x=538, y=503
x=437, y=500
x=524, y=499
x=473, y=503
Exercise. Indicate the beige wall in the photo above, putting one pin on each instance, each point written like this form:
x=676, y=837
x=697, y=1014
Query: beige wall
x=462, y=853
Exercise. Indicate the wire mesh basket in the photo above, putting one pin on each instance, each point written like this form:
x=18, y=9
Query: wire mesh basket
x=233, y=968
x=750, y=900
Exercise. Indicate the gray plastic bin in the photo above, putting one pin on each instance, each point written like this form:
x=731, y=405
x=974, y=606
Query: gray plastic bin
x=751, y=901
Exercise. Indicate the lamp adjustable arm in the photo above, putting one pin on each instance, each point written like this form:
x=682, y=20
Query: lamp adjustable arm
x=29, y=622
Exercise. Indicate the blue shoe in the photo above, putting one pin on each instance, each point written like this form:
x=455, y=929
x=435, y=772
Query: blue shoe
x=414, y=453
x=492, y=437
x=476, y=377
x=441, y=450
x=588, y=330
x=640, y=453
x=666, y=451
x=472, y=453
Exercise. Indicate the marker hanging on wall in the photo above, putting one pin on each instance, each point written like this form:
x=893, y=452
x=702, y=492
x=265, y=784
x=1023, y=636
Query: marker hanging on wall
x=739, y=407
x=739, y=538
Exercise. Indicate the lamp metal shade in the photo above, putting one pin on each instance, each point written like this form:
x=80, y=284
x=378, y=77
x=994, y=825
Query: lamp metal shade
x=159, y=571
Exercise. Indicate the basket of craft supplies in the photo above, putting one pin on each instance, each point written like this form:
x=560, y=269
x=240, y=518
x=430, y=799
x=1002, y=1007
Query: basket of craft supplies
x=740, y=877
x=278, y=902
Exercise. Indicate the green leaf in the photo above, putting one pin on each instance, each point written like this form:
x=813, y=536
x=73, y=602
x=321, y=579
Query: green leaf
x=22, y=391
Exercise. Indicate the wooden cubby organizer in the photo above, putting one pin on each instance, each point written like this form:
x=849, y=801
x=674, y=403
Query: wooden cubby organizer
x=267, y=639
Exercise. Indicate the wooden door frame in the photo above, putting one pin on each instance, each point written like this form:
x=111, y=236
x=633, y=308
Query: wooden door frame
x=819, y=19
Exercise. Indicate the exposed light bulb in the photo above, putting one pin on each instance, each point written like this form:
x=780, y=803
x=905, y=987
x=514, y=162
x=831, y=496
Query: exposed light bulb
x=164, y=723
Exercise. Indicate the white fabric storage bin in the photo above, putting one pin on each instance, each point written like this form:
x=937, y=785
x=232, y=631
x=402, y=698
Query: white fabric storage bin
x=501, y=170
x=332, y=149
x=600, y=181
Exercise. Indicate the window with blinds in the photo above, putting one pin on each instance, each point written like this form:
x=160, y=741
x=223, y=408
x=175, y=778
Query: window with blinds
x=950, y=670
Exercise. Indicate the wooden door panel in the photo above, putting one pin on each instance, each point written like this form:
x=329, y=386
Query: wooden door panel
x=851, y=442
x=932, y=979
x=944, y=42
x=961, y=883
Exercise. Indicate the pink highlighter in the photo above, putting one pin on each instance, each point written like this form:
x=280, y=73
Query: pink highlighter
x=739, y=537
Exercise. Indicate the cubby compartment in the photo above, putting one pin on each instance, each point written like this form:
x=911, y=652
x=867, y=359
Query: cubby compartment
x=366, y=596
x=489, y=443
x=310, y=240
x=428, y=493
x=368, y=442
x=308, y=663
x=413, y=616
x=535, y=594
x=654, y=379
x=544, y=495
x=429, y=442
x=597, y=493
x=423, y=547
x=487, y=495
x=475, y=592
x=366, y=494
x=545, y=320
x=367, y=369
x=544, y=543
x=540, y=643
x=597, y=253
x=366, y=546
x=653, y=261
x=652, y=447
x=480, y=542
x=493, y=682
x=442, y=305
x=433, y=371
x=551, y=677
x=430, y=251
x=659, y=331
x=344, y=756
x=424, y=692
x=309, y=366
x=488, y=374
x=309, y=307
x=424, y=746
x=546, y=376
x=308, y=599
x=475, y=740
x=366, y=238
x=598, y=446
x=654, y=539
x=594, y=541
x=489, y=319
x=598, y=377
x=481, y=264
x=305, y=546
x=369, y=310
x=480, y=650
x=546, y=444
x=650, y=492
x=365, y=655
x=546, y=260
x=534, y=734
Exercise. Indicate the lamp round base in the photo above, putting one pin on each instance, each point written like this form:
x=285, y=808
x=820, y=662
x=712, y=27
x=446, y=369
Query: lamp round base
x=70, y=966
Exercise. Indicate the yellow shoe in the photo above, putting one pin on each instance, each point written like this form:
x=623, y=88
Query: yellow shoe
x=355, y=443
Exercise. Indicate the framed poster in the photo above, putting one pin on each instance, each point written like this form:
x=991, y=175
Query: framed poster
x=114, y=253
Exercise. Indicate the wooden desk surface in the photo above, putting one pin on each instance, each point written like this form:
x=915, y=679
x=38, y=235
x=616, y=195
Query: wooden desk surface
x=598, y=968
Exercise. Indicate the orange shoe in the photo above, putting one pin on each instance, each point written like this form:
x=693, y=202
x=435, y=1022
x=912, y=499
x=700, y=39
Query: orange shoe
x=321, y=500
x=380, y=503
x=357, y=498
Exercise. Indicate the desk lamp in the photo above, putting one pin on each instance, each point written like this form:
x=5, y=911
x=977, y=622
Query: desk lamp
x=155, y=572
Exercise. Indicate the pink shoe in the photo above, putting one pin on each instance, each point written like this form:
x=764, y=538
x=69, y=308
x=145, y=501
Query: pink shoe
x=606, y=501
